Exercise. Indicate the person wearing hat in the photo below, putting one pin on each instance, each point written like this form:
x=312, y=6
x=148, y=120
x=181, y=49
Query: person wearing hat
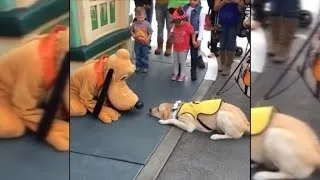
x=181, y=34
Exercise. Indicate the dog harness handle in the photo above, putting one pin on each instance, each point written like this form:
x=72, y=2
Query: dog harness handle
x=55, y=99
x=103, y=95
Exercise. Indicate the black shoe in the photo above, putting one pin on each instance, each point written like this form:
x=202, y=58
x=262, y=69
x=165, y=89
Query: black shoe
x=193, y=75
x=201, y=63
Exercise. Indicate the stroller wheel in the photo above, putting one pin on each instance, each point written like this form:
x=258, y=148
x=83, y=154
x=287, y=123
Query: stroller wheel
x=239, y=51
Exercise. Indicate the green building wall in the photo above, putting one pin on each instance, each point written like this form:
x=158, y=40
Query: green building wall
x=6, y=5
x=75, y=40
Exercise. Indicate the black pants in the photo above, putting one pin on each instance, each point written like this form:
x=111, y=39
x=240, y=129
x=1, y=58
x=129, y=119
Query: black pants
x=194, y=57
x=213, y=41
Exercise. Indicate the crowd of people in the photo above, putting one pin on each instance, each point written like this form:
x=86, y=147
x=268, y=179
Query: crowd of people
x=185, y=21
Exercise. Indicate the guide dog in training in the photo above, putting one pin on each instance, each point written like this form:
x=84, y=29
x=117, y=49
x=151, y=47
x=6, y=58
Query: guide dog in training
x=284, y=143
x=205, y=116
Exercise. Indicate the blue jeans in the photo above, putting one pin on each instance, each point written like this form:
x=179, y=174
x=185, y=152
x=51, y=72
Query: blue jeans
x=142, y=54
x=285, y=8
x=162, y=16
x=228, y=37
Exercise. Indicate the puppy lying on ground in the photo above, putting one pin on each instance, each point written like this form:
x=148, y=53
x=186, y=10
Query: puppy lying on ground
x=282, y=142
x=204, y=116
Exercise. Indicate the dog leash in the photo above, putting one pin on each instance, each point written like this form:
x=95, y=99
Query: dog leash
x=54, y=100
x=268, y=95
x=240, y=63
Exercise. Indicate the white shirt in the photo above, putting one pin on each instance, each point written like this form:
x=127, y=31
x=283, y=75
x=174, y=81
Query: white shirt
x=201, y=21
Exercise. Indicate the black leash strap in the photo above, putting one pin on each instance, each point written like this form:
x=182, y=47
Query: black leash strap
x=235, y=70
x=103, y=95
x=55, y=99
x=268, y=95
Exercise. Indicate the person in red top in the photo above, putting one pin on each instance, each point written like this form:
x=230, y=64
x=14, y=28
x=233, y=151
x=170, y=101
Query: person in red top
x=181, y=33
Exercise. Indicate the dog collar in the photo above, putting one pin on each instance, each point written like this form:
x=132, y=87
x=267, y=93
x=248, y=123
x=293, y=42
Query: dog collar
x=176, y=105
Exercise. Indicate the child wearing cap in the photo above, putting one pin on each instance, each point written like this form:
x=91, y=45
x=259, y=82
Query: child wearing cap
x=181, y=33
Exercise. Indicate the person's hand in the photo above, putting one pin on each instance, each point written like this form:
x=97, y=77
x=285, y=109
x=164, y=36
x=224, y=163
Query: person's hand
x=195, y=44
x=198, y=43
x=246, y=23
x=255, y=25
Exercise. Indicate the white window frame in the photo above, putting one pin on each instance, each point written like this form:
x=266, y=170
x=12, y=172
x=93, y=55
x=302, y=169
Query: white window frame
x=87, y=34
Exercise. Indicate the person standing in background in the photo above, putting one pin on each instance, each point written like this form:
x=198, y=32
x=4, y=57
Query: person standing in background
x=163, y=18
x=148, y=5
x=196, y=17
x=284, y=22
x=229, y=19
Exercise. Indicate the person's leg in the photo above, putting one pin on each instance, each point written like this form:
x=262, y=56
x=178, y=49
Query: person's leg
x=182, y=61
x=276, y=21
x=194, y=61
x=291, y=16
x=223, y=48
x=169, y=42
x=160, y=17
x=149, y=12
x=145, y=58
x=175, y=65
x=231, y=49
x=137, y=51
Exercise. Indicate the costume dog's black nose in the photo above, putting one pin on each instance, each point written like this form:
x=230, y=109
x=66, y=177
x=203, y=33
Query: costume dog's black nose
x=150, y=109
x=139, y=105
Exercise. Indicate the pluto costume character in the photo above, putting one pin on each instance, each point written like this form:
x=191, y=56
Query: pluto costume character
x=28, y=73
x=86, y=84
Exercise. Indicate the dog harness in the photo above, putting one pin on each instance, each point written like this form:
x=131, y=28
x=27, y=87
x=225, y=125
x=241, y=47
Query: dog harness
x=260, y=118
x=208, y=107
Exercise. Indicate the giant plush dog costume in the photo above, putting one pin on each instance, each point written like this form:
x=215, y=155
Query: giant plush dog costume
x=86, y=84
x=27, y=76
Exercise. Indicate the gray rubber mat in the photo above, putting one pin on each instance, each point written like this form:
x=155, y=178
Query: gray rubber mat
x=27, y=158
x=136, y=135
x=95, y=168
x=197, y=157
x=296, y=100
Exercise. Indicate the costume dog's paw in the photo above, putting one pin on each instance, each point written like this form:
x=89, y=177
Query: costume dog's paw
x=58, y=136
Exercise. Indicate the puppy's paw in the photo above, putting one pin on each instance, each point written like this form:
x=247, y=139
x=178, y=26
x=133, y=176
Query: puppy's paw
x=163, y=121
x=262, y=175
x=215, y=137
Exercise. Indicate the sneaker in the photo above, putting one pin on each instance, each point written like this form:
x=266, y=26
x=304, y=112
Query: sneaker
x=181, y=78
x=174, y=77
x=145, y=70
x=138, y=69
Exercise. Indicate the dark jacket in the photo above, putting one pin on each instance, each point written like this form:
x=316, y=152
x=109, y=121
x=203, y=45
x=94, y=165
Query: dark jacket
x=142, y=2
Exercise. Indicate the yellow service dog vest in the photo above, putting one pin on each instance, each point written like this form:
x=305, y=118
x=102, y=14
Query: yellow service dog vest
x=260, y=118
x=207, y=107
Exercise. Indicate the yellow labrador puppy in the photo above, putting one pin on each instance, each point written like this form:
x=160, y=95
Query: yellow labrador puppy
x=284, y=143
x=205, y=116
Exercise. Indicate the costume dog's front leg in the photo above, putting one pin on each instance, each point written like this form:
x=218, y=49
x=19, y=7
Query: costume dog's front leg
x=189, y=127
x=107, y=114
x=25, y=99
x=58, y=135
x=11, y=126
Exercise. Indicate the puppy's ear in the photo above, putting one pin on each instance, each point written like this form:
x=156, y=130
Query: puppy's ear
x=165, y=114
